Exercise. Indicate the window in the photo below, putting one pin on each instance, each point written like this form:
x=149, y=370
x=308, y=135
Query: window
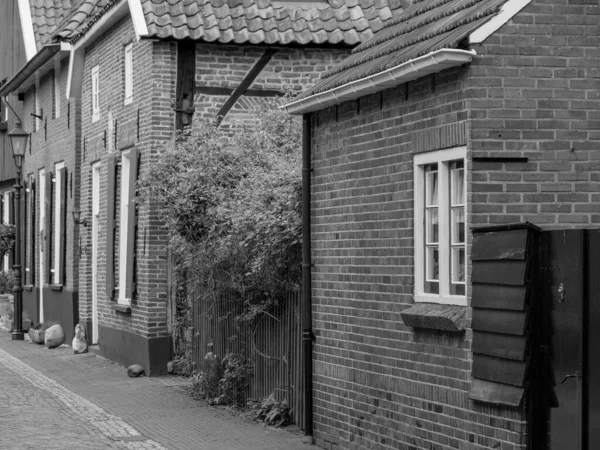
x=440, y=226
x=128, y=73
x=36, y=98
x=58, y=228
x=121, y=205
x=56, y=89
x=95, y=93
x=6, y=218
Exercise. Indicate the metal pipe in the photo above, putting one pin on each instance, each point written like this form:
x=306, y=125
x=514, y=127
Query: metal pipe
x=307, y=333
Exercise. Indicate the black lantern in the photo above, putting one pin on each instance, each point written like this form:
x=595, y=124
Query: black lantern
x=18, y=141
x=77, y=218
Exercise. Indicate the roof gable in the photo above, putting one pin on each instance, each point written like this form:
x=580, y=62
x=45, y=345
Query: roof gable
x=425, y=27
x=269, y=22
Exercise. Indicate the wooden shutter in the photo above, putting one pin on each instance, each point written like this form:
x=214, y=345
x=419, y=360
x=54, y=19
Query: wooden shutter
x=131, y=224
x=11, y=219
x=48, y=228
x=32, y=217
x=24, y=223
x=62, y=230
x=110, y=225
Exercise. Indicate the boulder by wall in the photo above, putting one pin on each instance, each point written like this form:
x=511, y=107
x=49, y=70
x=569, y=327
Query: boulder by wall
x=54, y=336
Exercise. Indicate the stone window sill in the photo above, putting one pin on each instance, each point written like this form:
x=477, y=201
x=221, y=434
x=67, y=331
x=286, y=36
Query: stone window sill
x=56, y=287
x=28, y=287
x=435, y=316
x=124, y=309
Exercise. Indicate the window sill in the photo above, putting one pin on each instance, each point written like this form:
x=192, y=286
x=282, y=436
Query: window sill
x=128, y=101
x=124, y=309
x=435, y=316
x=28, y=287
x=56, y=287
x=454, y=300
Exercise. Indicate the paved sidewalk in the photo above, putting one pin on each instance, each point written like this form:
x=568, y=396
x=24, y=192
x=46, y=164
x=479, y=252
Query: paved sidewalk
x=53, y=399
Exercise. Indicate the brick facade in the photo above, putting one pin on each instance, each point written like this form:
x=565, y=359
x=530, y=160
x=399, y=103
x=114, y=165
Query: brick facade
x=53, y=140
x=148, y=124
x=531, y=91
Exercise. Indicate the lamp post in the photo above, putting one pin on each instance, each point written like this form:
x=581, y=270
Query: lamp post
x=18, y=141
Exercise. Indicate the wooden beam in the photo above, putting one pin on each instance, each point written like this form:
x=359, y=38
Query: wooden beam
x=245, y=84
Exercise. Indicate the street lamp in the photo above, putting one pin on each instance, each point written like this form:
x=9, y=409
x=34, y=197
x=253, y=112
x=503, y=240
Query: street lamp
x=18, y=141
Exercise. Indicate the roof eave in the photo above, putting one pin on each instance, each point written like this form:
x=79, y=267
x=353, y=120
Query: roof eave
x=410, y=70
x=44, y=59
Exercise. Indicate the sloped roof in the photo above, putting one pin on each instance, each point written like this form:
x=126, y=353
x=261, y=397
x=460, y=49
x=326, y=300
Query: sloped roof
x=46, y=15
x=268, y=21
x=425, y=27
x=82, y=16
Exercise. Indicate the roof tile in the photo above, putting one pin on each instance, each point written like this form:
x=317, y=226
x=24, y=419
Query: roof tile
x=269, y=21
x=426, y=26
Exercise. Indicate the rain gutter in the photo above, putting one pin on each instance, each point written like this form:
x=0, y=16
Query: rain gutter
x=410, y=70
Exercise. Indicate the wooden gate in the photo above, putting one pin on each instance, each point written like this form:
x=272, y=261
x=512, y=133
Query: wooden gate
x=273, y=345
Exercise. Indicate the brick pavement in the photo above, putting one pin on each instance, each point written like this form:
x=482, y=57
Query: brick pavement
x=53, y=399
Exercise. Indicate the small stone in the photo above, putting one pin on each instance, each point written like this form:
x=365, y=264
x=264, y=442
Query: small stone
x=135, y=371
x=79, y=341
x=54, y=336
x=170, y=367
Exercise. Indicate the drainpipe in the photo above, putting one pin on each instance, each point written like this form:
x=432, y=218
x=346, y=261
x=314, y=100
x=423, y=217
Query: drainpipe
x=307, y=334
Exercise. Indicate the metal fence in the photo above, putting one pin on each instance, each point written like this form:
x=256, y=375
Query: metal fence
x=273, y=345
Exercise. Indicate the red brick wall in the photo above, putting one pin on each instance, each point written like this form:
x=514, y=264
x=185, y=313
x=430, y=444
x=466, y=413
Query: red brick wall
x=531, y=91
x=378, y=383
x=57, y=142
x=153, y=91
x=535, y=89
x=289, y=70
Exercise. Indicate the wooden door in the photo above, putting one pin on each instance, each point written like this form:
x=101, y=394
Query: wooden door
x=562, y=290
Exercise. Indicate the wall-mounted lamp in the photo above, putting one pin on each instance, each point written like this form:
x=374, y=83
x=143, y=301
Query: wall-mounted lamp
x=77, y=218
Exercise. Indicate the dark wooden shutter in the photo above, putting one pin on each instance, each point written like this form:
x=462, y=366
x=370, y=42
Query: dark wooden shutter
x=11, y=219
x=25, y=223
x=48, y=228
x=185, y=83
x=32, y=216
x=111, y=190
x=503, y=260
x=131, y=224
x=62, y=230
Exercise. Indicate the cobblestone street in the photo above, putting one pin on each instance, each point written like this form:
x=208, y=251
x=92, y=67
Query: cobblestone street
x=53, y=399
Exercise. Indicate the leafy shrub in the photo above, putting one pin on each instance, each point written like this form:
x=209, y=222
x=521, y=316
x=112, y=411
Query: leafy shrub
x=7, y=238
x=7, y=281
x=270, y=411
x=224, y=381
x=231, y=202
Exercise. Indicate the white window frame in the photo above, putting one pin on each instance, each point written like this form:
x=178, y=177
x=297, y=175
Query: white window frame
x=36, y=97
x=57, y=204
x=123, y=228
x=443, y=158
x=129, y=73
x=56, y=89
x=95, y=93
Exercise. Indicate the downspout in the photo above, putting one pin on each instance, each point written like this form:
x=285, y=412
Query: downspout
x=307, y=333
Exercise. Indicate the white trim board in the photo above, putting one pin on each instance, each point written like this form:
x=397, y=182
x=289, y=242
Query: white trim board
x=510, y=9
x=27, y=28
x=137, y=16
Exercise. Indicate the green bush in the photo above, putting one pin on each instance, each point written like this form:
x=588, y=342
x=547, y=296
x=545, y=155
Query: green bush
x=7, y=280
x=231, y=202
x=7, y=238
x=224, y=381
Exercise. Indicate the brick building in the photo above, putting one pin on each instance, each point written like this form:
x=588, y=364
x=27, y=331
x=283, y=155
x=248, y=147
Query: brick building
x=136, y=71
x=50, y=171
x=12, y=56
x=459, y=114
